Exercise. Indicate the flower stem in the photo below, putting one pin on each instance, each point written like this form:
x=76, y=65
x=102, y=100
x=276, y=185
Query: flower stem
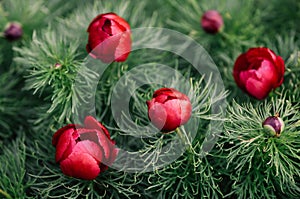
x=187, y=144
x=178, y=131
x=5, y=194
x=184, y=138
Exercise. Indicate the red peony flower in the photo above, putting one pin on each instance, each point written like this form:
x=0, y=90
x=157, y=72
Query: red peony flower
x=258, y=72
x=113, y=33
x=169, y=109
x=212, y=21
x=84, y=151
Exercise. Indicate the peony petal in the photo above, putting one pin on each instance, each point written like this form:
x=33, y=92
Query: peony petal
x=89, y=147
x=241, y=64
x=161, y=98
x=105, y=50
x=95, y=41
x=65, y=144
x=114, y=154
x=173, y=109
x=121, y=22
x=255, y=64
x=186, y=111
x=150, y=103
x=280, y=69
x=124, y=47
x=107, y=27
x=97, y=23
x=167, y=94
x=268, y=73
x=91, y=123
x=104, y=165
x=105, y=143
x=116, y=28
x=245, y=75
x=97, y=137
x=260, y=53
x=257, y=89
x=165, y=91
x=60, y=131
x=80, y=165
x=158, y=115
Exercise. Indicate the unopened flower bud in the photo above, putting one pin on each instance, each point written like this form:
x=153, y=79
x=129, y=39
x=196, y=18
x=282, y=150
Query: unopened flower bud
x=169, y=109
x=109, y=38
x=13, y=32
x=259, y=71
x=274, y=125
x=57, y=66
x=212, y=22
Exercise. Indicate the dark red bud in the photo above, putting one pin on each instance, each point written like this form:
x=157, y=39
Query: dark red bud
x=13, y=32
x=274, y=125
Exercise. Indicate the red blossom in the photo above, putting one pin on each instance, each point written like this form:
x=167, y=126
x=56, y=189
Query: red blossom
x=169, y=109
x=84, y=151
x=109, y=38
x=258, y=72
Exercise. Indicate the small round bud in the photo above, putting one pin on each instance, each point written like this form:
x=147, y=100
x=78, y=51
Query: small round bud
x=274, y=125
x=13, y=31
x=212, y=22
x=57, y=66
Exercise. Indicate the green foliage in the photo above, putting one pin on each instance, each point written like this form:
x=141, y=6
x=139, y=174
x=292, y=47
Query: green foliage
x=254, y=156
x=78, y=21
x=45, y=84
x=284, y=17
x=33, y=14
x=238, y=34
x=292, y=77
x=190, y=175
x=12, y=105
x=13, y=183
x=49, y=182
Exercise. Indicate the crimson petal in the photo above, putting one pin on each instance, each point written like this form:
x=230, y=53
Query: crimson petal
x=91, y=123
x=80, y=165
x=65, y=144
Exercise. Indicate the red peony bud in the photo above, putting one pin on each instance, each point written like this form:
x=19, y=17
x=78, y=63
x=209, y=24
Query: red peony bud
x=274, y=125
x=212, y=21
x=13, y=32
x=169, y=109
x=84, y=151
x=113, y=33
x=258, y=72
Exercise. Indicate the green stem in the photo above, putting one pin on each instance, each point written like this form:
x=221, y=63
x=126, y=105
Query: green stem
x=187, y=144
x=184, y=138
x=5, y=194
x=178, y=131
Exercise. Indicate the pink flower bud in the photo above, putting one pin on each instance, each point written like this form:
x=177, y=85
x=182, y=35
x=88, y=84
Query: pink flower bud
x=212, y=21
x=57, y=65
x=169, y=109
x=84, y=151
x=274, y=125
x=13, y=32
x=109, y=38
